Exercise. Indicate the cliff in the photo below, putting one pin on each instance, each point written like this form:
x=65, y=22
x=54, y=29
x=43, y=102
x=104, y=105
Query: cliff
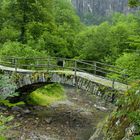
x=100, y=8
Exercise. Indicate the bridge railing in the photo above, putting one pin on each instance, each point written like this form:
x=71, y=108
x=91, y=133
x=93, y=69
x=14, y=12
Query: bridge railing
x=103, y=70
x=55, y=63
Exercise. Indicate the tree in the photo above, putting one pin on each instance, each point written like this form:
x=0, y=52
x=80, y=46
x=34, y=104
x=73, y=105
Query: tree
x=21, y=13
x=68, y=25
x=22, y=50
x=93, y=42
x=134, y=3
x=130, y=64
x=49, y=26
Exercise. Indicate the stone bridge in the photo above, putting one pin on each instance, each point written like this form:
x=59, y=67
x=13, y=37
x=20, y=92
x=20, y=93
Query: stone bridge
x=89, y=76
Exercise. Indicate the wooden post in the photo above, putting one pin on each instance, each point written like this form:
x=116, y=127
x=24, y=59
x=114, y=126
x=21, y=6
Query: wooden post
x=113, y=82
x=75, y=70
x=125, y=76
x=15, y=64
x=48, y=64
x=37, y=62
x=95, y=64
x=63, y=64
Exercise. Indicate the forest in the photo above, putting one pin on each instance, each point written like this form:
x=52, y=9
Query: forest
x=42, y=28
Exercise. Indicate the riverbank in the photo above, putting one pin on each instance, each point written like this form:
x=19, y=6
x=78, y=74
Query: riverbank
x=74, y=118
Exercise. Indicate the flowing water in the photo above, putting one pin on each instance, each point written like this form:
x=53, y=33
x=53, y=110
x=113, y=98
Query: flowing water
x=75, y=118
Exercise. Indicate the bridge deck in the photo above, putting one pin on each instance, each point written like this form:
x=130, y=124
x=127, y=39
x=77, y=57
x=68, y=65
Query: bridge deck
x=94, y=78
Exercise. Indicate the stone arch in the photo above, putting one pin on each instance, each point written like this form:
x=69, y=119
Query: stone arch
x=28, y=78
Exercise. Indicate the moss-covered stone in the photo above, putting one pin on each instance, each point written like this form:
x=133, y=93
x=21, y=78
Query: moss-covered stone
x=47, y=95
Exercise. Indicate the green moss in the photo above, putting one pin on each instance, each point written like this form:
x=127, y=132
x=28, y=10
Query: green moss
x=7, y=103
x=2, y=138
x=137, y=138
x=47, y=95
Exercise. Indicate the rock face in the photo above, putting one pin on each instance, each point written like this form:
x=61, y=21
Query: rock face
x=101, y=7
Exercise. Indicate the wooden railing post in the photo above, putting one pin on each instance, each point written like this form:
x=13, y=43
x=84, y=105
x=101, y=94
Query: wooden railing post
x=64, y=64
x=48, y=65
x=15, y=64
x=75, y=71
x=95, y=64
x=113, y=83
x=37, y=62
x=124, y=77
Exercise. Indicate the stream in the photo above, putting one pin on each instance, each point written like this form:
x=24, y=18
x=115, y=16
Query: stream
x=75, y=118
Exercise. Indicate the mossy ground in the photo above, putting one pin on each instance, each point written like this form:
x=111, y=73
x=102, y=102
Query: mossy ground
x=2, y=138
x=47, y=95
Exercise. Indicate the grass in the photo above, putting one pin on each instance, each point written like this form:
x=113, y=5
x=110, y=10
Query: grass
x=2, y=138
x=137, y=138
x=47, y=95
x=3, y=127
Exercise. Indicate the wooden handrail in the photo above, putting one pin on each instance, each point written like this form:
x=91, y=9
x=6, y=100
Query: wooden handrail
x=104, y=64
x=47, y=63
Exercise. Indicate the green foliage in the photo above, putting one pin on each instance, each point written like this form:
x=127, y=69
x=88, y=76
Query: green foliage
x=41, y=28
x=93, y=42
x=127, y=113
x=94, y=18
x=21, y=13
x=67, y=25
x=134, y=3
x=107, y=41
x=8, y=104
x=48, y=26
x=38, y=28
x=118, y=39
x=8, y=33
x=135, y=42
x=3, y=126
x=2, y=138
x=7, y=87
x=3, y=121
x=137, y=138
x=22, y=50
x=47, y=95
x=130, y=64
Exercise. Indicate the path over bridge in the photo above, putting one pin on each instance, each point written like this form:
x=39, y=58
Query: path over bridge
x=80, y=73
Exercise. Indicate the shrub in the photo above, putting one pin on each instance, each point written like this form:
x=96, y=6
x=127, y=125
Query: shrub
x=7, y=87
